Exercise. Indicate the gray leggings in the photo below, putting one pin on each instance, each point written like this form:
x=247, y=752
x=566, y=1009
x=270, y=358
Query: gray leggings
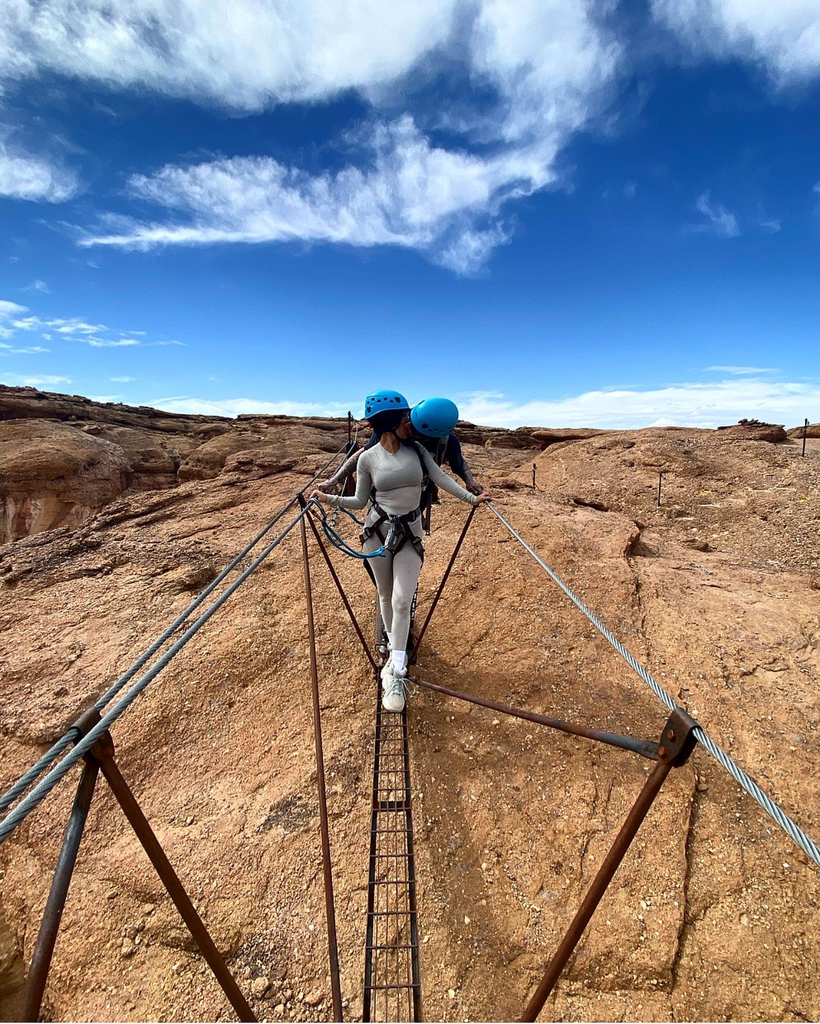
x=396, y=578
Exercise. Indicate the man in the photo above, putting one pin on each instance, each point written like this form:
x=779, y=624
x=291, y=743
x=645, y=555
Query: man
x=431, y=424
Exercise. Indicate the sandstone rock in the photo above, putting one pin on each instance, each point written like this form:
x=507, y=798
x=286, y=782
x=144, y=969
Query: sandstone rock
x=259, y=986
x=812, y=430
x=265, y=461
x=206, y=461
x=547, y=436
x=25, y=403
x=52, y=474
x=754, y=430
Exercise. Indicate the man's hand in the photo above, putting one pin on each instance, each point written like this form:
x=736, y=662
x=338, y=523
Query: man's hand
x=473, y=486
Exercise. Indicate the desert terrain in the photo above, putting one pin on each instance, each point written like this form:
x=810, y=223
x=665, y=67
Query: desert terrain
x=114, y=518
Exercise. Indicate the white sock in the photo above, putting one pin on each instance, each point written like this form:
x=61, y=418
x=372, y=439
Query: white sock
x=389, y=636
x=399, y=659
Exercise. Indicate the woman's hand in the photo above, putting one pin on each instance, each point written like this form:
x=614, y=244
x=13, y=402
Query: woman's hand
x=481, y=498
x=320, y=496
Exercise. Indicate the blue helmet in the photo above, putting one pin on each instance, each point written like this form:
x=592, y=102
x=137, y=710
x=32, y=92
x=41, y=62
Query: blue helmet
x=434, y=417
x=382, y=401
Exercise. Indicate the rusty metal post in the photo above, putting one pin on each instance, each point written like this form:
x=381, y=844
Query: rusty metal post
x=677, y=742
x=103, y=752
x=349, y=428
x=660, y=484
x=534, y=467
x=339, y=587
x=456, y=550
x=52, y=915
x=805, y=433
x=330, y=911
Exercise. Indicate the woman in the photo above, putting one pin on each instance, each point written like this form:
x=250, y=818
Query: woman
x=394, y=471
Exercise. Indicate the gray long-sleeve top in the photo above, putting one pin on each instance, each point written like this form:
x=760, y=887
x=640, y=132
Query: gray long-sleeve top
x=397, y=478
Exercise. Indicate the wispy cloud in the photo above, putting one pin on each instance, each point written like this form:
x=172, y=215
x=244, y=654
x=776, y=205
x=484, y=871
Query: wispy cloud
x=15, y=318
x=783, y=36
x=122, y=380
x=742, y=370
x=719, y=221
x=17, y=380
x=10, y=350
x=772, y=225
x=533, y=75
x=37, y=286
x=413, y=195
x=24, y=175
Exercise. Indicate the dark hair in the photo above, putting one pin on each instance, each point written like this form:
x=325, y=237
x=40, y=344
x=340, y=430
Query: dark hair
x=387, y=422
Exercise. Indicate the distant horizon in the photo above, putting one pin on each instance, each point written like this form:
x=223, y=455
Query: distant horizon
x=270, y=410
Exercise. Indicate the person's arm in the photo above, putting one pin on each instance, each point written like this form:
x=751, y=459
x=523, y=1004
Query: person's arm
x=455, y=459
x=364, y=485
x=441, y=479
x=347, y=468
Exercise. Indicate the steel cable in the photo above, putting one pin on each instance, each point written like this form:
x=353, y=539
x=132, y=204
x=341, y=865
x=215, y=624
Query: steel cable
x=48, y=782
x=51, y=755
x=806, y=844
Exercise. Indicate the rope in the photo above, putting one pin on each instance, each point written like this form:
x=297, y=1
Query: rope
x=70, y=737
x=46, y=784
x=336, y=539
x=806, y=844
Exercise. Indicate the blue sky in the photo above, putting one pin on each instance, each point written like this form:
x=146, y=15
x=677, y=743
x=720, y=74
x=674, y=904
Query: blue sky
x=555, y=211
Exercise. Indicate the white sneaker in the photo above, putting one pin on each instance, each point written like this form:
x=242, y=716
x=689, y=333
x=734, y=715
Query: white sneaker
x=393, y=687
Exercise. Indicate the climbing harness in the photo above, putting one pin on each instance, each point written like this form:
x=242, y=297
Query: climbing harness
x=398, y=531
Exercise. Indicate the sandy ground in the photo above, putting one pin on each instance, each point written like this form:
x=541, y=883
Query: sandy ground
x=713, y=914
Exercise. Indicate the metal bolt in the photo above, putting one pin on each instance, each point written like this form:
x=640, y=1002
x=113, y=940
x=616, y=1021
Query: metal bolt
x=671, y=735
x=662, y=751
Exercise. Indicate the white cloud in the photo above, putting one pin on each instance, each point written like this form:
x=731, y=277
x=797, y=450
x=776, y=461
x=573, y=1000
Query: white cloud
x=105, y=398
x=534, y=72
x=413, y=195
x=26, y=176
x=122, y=380
x=107, y=343
x=782, y=35
x=246, y=55
x=8, y=309
x=16, y=379
x=719, y=220
x=238, y=406
x=10, y=350
x=687, y=404
x=771, y=224
x=38, y=286
x=742, y=370
x=75, y=326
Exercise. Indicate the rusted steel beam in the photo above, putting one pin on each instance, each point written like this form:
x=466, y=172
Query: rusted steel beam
x=330, y=911
x=52, y=915
x=453, y=557
x=646, y=748
x=103, y=751
x=674, y=749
